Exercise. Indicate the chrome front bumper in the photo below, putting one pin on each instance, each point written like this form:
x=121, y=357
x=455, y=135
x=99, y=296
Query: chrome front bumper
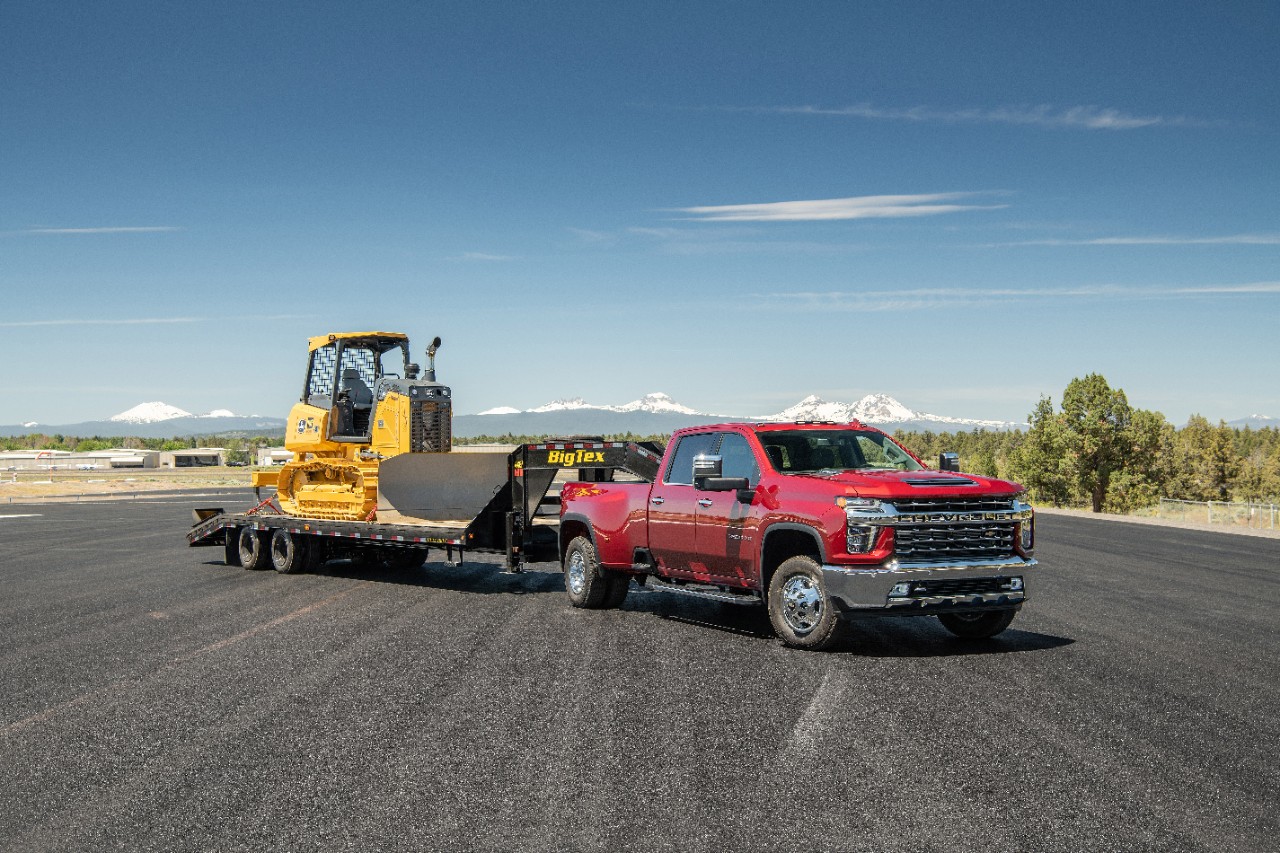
x=868, y=588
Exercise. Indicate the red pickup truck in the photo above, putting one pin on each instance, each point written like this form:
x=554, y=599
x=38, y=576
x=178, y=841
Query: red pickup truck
x=820, y=522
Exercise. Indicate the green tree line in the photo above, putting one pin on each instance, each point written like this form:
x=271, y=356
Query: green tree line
x=1094, y=450
x=1097, y=451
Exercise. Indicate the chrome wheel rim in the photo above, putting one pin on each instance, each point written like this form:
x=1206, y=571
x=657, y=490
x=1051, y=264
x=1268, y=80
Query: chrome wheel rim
x=576, y=573
x=801, y=603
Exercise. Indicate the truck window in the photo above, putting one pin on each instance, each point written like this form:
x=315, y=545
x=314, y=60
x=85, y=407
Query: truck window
x=680, y=472
x=739, y=461
x=809, y=451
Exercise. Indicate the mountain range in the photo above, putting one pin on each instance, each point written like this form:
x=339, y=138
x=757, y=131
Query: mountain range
x=652, y=414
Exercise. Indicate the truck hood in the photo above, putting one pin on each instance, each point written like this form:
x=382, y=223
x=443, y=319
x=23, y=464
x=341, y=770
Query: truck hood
x=890, y=484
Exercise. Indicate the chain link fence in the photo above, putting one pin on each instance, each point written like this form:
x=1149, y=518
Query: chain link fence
x=1254, y=516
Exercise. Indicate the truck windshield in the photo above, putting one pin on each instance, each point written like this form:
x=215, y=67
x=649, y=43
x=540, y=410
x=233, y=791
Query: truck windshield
x=831, y=450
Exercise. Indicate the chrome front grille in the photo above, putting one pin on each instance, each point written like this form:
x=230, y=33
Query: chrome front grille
x=951, y=506
x=968, y=541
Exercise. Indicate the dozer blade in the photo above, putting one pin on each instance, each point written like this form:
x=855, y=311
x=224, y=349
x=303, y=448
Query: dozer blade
x=439, y=486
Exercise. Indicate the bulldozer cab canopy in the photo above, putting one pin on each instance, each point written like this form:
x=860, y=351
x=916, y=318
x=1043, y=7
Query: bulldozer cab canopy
x=380, y=341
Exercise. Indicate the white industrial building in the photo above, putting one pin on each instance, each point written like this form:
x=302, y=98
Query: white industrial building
x=69, y=460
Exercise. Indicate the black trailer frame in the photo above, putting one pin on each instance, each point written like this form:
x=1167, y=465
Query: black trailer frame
x=521, y=521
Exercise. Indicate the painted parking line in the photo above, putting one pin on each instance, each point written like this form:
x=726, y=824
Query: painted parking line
x=23, y=515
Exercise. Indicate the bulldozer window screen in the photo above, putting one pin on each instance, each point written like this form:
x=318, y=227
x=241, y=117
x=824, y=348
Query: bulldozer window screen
x=365, y=362
x=320, y=382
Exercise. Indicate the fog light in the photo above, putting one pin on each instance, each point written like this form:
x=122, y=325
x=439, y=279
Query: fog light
x=1014, y=585
x=900, y=590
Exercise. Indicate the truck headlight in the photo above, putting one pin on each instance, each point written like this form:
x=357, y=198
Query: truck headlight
x=1028, y=540
x=858, y=504
x=860, y=538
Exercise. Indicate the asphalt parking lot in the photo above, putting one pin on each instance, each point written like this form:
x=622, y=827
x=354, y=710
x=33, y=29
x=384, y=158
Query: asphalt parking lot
x=155, y=699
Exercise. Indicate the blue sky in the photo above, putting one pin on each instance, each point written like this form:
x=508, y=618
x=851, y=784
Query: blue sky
x=737, y=203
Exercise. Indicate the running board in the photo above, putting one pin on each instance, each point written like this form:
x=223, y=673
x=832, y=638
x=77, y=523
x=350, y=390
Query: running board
x=703, y=591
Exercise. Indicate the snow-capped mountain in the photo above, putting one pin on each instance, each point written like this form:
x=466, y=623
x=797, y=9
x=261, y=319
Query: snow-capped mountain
x=564, y=405
x=653, y=402
x=880, y=409
x=154, y=412
x=874, y=409
x=149, y=413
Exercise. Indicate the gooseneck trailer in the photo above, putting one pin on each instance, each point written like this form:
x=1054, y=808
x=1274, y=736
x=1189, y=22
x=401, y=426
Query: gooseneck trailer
x=490, y=503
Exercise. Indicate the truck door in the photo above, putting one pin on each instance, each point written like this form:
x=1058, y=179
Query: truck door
x=726, y=529
x=673, y=506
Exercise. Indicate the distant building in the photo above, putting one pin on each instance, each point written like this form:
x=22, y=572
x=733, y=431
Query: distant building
x=67, y=460
x=273, y=456
x=194, y=457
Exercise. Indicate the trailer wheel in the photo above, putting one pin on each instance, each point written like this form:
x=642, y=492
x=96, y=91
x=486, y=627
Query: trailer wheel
x=977, y=626
x=231, y=547
x=799, y=608
x=407, y=558
x=253, y=550
x=317, y=553
x=288, y=552
x=588, y=585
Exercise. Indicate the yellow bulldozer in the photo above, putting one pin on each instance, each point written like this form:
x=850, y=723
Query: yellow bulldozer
x=355, y=412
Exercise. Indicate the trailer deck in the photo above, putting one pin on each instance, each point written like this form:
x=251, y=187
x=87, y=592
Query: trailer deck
x=514, y=515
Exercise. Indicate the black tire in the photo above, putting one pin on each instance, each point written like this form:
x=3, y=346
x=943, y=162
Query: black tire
x=977, y=626
x=406, y=558
x=799, y=608
x=231, y=546
x=619, y=584
x=254, y=550
x=587, y=584
x=288, y=552
x=317, y=554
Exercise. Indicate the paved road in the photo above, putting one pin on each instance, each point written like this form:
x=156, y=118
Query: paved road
x=154, y=699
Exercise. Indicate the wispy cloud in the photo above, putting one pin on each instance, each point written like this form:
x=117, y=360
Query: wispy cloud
x=483, y=256
x=857, y=207
x=138, y=229
x=1087, y=117
x=923, y=298
x=1226, y=240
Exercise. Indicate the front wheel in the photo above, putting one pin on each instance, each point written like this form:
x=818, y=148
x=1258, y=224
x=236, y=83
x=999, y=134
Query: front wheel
x=588, y=585
x=801, y=613
x=977, y=626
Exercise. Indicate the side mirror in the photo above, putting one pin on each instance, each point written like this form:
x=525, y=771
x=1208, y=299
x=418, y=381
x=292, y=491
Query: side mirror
x=704, y=466
x=949, y=462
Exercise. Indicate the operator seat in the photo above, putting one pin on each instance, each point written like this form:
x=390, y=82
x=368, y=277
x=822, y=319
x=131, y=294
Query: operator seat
x=361, y=396
x=360, y=399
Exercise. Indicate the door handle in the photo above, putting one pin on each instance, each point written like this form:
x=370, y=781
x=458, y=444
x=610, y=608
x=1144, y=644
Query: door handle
x=704, y=501
x=656, y=501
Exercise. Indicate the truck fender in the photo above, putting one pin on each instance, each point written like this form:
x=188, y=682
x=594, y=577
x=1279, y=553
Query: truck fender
x=799, y=539
x=571, y=522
